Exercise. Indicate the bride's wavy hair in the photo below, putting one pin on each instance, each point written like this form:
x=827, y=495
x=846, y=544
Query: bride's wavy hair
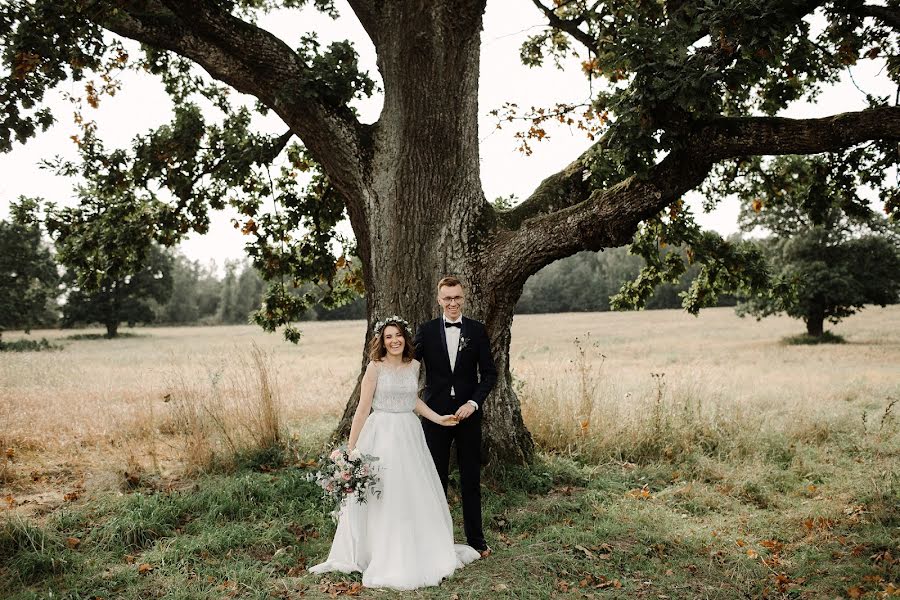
x=377, y=349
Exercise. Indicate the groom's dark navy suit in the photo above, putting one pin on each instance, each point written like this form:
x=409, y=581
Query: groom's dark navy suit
x=471, y=378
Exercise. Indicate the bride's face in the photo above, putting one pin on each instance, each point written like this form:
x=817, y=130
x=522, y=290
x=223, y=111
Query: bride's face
x=393, y=340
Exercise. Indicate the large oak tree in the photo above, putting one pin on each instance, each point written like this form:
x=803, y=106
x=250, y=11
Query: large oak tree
x=682, y=86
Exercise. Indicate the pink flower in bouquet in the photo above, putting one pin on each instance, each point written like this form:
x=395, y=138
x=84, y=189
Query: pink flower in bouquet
x=346, y=474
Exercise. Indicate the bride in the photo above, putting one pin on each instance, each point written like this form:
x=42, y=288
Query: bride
x=404, y=538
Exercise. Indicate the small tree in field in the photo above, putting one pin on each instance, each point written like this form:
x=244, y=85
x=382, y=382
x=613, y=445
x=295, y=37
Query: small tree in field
x=113, y=268
x=128, y=299
x=28, y=276
x=837, y=253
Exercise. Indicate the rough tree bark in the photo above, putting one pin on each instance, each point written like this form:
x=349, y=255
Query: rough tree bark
x=411, y=181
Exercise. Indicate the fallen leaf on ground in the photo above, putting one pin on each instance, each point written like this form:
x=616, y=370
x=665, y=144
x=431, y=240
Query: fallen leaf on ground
x=639, y=494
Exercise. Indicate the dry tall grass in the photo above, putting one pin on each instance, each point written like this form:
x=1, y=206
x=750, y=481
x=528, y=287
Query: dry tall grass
x=641, y=386
x=168, y=400
x=220, y=416
x=667, y=385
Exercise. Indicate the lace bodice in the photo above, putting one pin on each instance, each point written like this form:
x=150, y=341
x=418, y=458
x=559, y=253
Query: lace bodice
x=396, y=388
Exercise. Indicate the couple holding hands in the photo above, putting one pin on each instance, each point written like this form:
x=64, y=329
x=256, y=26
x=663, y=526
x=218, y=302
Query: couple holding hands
x=403, y=538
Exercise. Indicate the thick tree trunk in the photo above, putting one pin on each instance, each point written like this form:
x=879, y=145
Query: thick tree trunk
x=423, y=203
x=507, y=439
x=815, y=323
x=112, y=329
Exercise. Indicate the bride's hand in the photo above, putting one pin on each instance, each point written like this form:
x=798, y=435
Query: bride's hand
x=448, y=420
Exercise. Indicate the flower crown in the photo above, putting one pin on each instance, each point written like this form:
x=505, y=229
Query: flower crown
x=392, y=320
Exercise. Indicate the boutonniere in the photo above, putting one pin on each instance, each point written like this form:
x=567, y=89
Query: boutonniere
x=463, y=343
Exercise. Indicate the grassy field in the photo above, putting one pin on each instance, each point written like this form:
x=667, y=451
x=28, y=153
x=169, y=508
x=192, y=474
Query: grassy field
x=680, y=457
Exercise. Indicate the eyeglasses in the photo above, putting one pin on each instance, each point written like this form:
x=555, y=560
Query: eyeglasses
x=453, y=300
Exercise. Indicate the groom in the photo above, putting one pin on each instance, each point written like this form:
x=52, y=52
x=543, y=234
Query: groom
x=459, y=374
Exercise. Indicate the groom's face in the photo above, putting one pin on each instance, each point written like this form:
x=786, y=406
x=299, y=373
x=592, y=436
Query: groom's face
x=451, y=299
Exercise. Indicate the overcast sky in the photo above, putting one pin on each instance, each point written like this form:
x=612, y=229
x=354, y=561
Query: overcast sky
x=142, y=105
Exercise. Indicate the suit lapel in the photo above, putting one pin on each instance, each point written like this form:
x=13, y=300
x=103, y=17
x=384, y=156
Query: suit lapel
x=443, y=334
x=462, y=335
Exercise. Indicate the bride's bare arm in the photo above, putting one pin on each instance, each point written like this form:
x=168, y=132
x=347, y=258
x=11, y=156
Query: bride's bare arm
x=423, y=410
x=366, y=392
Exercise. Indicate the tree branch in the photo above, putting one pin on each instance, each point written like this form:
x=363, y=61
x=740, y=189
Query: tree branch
x=255, y=62
x=564, y=216
x=280, y=144
x=569, y=26
x=888, y=15
x=369, y=13
x=748, y=136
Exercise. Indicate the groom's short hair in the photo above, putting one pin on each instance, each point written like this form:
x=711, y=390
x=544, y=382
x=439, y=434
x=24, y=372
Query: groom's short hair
x=450, y=281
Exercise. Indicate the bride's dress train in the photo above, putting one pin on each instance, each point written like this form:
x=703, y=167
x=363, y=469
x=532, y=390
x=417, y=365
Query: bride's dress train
x=404, y=539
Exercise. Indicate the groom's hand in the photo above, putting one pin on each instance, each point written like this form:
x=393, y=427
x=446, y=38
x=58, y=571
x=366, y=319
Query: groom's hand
x=464, y=411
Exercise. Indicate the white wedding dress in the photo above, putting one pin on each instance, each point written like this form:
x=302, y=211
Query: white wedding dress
x=404, y=538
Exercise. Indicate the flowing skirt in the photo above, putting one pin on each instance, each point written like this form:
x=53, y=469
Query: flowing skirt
x=403, y=539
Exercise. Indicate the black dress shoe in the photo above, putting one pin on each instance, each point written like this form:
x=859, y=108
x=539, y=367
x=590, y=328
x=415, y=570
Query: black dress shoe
x=486, y=552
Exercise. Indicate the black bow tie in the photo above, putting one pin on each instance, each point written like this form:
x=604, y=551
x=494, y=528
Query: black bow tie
x=449, y=325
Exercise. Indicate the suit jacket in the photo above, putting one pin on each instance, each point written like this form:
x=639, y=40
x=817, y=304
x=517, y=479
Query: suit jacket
x=472, y=377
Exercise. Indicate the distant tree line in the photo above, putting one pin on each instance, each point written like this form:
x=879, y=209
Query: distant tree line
x=585, y=282
x=201, y=296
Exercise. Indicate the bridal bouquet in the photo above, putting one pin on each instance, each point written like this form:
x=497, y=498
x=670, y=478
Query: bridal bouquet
x=344, y=474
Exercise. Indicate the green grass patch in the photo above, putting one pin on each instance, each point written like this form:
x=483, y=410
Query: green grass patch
x=102, y=336
x=811, y=523
x=811, y=340
x=25, y=345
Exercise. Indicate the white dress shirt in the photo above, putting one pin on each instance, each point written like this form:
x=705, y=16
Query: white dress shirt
x=452, y=334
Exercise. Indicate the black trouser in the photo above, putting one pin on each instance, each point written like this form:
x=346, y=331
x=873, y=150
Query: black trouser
x=468, y=456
